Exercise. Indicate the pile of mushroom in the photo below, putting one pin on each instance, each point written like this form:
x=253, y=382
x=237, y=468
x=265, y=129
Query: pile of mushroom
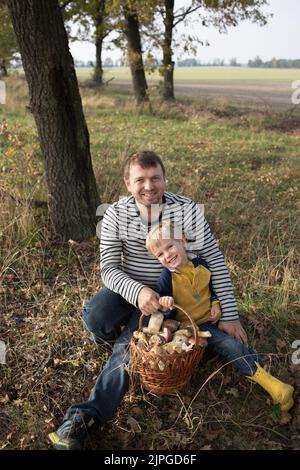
x=163, y=337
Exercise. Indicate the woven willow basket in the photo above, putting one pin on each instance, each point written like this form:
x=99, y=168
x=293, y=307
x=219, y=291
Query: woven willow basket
x=177, y=367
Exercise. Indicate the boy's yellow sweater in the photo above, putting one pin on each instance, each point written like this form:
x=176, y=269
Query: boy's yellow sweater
x=191, y=288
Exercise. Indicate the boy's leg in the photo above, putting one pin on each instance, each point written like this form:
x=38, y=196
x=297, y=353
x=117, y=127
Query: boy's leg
x=249, y=364
x=243, y=357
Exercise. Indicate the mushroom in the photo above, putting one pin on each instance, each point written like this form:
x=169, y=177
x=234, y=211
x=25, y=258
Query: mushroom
x=155, y=322
x=157, y=340
x=184, y=332
x=167, y=334
x=202, y=342
x=204, y=334
x=171, y=324
x=173, y=346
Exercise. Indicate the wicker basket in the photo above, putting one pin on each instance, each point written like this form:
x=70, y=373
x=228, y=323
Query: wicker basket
x=177, y=368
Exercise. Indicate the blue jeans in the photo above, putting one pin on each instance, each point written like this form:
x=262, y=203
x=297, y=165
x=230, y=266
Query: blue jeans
x=103, y=315
x=241, y=356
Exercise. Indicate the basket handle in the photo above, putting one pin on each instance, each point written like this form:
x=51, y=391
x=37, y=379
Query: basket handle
x=189, y=317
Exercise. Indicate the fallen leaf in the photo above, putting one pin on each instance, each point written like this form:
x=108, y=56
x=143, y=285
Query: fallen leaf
x=280, y=344
x=5, y=399
x=285, y=418
x=232, y=391
x=133, y=425
x=212, y=435
x=206, y=447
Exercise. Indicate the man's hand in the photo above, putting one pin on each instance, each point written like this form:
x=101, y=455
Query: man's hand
x=215, y=313
x=166, y=302
x=148, y=301
x=235, y=329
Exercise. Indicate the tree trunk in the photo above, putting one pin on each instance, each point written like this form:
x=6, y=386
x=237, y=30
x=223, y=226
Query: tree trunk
x=3, y=68
x=99, y=26
x=168, y=64
x=135, y=57
x=56, y=105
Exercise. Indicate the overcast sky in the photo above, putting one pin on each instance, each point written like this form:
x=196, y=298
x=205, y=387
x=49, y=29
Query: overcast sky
x=280, y=38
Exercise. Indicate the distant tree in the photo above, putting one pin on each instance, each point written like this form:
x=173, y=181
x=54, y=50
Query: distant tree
x=57, y=109
x=93, y=23
x=108, y=62
x=275, y=63
x=134, y=50
x=8, y=43
x=218, y=62
x=188, y=63
x=218, y=13
x=257, y=62
x=234, y=63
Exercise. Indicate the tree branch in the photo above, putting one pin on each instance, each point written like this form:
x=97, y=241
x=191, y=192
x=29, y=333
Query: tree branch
x=183, y=15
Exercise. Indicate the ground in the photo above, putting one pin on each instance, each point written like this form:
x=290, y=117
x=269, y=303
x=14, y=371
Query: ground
x=242, y=163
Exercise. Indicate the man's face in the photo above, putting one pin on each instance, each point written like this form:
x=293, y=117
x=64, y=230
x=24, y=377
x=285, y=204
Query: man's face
x=147, y=185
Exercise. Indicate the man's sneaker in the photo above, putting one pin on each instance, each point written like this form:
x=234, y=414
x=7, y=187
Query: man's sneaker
x=71, y=434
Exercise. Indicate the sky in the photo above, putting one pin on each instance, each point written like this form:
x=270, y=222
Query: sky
x=280, y=38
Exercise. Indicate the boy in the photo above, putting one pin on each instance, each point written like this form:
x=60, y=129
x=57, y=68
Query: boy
x=188, y=283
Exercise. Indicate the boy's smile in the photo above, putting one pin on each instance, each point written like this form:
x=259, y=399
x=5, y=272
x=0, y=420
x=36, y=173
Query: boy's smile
x=170, y=253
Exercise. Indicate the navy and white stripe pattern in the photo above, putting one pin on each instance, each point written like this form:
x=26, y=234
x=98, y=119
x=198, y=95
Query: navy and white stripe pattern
x=126, y=265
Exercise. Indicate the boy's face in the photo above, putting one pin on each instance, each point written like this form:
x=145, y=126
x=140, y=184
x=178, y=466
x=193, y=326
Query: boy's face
x=171, y=253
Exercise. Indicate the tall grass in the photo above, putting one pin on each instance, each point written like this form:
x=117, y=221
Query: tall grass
x=247, y=176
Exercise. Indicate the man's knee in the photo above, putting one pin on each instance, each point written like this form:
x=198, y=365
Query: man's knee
x=103, y=313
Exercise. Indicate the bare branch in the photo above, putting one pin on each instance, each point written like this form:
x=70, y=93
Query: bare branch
x=183, y=15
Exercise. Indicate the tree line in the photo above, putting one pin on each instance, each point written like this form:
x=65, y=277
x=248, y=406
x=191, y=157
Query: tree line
x=144, y=30
x=40, y=28
x=275, y=63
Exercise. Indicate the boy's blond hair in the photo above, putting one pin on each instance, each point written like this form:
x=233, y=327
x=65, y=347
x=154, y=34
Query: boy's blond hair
x=163, y=231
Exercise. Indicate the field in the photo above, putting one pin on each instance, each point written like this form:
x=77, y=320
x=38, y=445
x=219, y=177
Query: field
x=206, y=73
x=242, y=163
x=255, y=87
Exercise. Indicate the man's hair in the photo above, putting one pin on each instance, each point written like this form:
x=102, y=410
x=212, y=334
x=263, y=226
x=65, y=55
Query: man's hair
x=144, y=158
x=164, y=231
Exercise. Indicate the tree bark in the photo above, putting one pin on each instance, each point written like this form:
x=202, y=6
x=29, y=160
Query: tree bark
x=100, y=34
x=135, y=57
x=168, y=64
x=56, y=105
x=3, y=68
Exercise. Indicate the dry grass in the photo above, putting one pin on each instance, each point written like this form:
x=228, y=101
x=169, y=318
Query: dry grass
x=248, y=179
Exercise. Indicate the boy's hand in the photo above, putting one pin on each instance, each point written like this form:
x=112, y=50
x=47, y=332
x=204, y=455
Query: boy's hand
x=166, y=302
x=215, y=313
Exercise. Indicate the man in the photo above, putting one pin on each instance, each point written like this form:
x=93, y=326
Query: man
x=130, y=274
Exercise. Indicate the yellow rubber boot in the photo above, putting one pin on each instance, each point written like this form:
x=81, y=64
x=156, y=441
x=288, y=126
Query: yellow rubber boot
x=280, y=392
